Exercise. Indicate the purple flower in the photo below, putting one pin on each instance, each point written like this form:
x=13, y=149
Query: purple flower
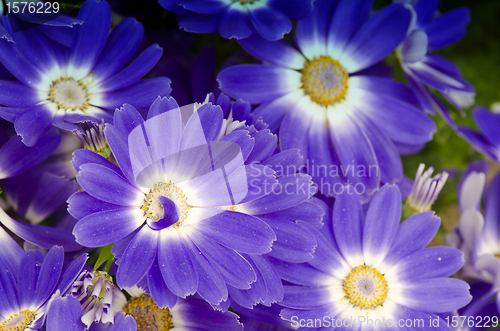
x=60, y=86
x=170, y=206
x=425, y=190
x=349, y=127
x=28, y=281
x=423, y=69
x=373, y=268
x=241, y=18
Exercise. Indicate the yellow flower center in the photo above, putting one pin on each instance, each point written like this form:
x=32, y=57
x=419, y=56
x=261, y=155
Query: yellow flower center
x=148, y=316
x=324, y=80
x=69, y=94
x=18, y=322
x=152, y=207
x=365, y=287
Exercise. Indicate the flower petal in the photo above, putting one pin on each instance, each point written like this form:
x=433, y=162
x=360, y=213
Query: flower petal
x=258, y=83
x=378, y=37
x=381, y=224
x=106, y=227
x=137, y=258
x=271, y=24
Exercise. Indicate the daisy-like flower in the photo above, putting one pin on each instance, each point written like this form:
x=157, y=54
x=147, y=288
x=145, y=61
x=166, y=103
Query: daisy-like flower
x=239, y=19
x=425, y=190
x=424, y=69
x=349, y=127
x=374, y=272
x=27, y=282
x=173, y=197
x=487, y=140
x=61, y=86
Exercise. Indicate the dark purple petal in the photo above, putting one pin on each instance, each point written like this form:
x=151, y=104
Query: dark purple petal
x=278, y=53
x=43, y=236
x=347, y=19
x=89, y=38
x=270, y=24
x=49, y=275
x=235, y=23
x=28, y=276
x=269, y=277
x=414, y=233
x=65, y=314
x=447, y=28
x=162, y=296
x=241, y=232
x=140, y=94
x=106, y=227
x=105, y=184
x=16, y=94
x=294, y=9
x=438, y=295
x=9, y=299
x=479, y=142
x=199, y=23
x=175, y=263
x=10, y=252
x=16, y=157
x=139, y=67
x=258, y=83
x=203, y=7
x=17, y=63
x=377, y=38
x=137, y=258
x=487, y=122
x=381, y=224
x=121, y=45
x=52, y=193
x=33, y=123
x=425, y=10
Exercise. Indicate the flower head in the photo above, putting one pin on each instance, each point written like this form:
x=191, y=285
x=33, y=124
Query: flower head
x=239, y=19
x=374, y=267
x=350, y=127
x=61, y=86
